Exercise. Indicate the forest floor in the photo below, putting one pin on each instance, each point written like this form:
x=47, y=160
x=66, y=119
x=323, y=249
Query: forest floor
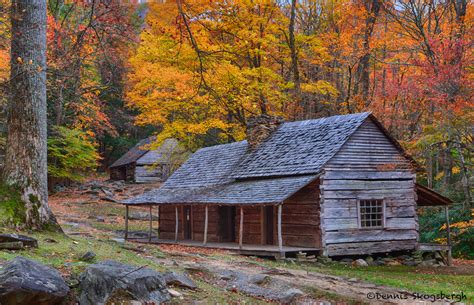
x=92, y=222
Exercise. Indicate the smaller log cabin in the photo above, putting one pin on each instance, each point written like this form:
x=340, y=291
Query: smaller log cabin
x=141, y=164
x=338, y=186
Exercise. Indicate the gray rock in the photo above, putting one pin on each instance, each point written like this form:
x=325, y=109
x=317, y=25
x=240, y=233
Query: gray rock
x=174, y=293
x=107, y=192
x=180, y=280
x=24, y=281
x=100, y=219
x=101, y=282
x=141, y=216
x=410, y=263
x=427, y=263
x=360, y=263
x=87, y=257
x=289, y=295
x=369, y=259
x=25, y=240
x=260, y=285
x=108, y=198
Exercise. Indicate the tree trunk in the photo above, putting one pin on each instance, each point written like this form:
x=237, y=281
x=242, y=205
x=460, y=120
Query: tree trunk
x=363, y=71
x=294, y=56
x=26, y=153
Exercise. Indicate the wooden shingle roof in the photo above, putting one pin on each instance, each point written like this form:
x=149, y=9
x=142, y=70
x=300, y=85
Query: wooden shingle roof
x=134, y=153
x=291, y=158
x=140, y=149
x=248, y=192
x=301, y=147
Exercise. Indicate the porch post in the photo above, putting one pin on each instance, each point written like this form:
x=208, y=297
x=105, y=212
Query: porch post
x=158, y=217
x=241, y=227
x=206, y=219
x=280, y=239
x=126, y=222
x=448, y=231
x=150, y=229
x=177, y=225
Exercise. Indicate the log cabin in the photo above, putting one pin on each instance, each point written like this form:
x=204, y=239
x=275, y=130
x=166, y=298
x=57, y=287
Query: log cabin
x=336, y=186
x=141, y=164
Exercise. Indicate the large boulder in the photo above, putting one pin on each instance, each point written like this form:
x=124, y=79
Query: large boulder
x=259, y=285
x=102, y=282
x=179, y=279
x=26, y=241
x=24, y=281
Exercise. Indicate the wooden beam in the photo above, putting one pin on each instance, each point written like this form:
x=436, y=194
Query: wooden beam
x=206, y=220
x=241, y=227
x=176, y=226
x=150, y=229
x=158, y=217
x=280, y=239
x=448, y=233
x=126, y=222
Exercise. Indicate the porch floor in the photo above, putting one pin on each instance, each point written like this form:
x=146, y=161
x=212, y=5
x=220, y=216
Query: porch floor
x=247, y=249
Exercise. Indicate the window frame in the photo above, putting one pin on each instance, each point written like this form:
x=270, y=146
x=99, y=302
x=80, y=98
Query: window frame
x=359, y=218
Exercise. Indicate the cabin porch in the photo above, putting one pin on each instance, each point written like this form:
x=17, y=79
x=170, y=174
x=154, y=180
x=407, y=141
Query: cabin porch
x=245, y=249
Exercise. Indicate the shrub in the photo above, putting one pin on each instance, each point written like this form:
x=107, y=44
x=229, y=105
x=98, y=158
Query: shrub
x=72, y=154
x=433, y=229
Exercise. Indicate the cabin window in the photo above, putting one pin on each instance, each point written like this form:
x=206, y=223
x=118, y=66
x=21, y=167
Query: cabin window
x=371, y=213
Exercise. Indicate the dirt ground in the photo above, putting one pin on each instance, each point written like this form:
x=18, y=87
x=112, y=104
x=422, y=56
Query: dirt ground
x=88, y=210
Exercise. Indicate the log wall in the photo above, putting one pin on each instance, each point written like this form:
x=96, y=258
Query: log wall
x=168, y=222
x=146, y=170
x=368, y=166
x=300, y=218
x=252, y=233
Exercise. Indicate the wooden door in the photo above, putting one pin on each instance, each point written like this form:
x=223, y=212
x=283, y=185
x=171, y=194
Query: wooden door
x=227, y=224
x=268, y=225
x=187, y=222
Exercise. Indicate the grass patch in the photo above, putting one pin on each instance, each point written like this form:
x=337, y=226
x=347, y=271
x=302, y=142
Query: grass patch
x=64, y=254
x=132, y=226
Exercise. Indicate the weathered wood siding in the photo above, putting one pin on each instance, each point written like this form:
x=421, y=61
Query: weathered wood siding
x=150, y=168
x=252, y=233
x=145, y=174
x=198, y=219
x=300, y=218
x=167, y=223
x=368, y=166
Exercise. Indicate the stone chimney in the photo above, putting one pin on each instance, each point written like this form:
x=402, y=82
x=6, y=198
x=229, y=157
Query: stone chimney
x=259, y=128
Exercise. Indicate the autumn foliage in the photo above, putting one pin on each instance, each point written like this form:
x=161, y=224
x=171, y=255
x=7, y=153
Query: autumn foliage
x=196, y=70
x=202, y=67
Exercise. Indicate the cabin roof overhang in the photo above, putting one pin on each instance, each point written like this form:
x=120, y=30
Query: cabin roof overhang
x=428, y=197
x=247, y=192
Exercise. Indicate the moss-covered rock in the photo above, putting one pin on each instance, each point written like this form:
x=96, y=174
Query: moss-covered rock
x=12, y=208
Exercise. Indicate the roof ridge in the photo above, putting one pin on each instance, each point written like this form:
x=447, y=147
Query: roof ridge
x=221, y=145
x=329, y=118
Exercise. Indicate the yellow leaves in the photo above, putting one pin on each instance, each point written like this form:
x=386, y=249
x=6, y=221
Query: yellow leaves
x=439, y=176
x=462, y=225
x=455, y=170
x=320, y=87
x=19, y=60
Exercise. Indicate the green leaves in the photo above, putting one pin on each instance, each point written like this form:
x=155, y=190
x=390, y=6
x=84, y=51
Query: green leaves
x=72, y=154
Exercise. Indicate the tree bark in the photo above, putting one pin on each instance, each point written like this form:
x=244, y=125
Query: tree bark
x=26, y=153
x=363, y=71
x=294, y=55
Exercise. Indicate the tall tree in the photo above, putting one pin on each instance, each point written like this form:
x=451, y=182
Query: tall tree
x=26, y=152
